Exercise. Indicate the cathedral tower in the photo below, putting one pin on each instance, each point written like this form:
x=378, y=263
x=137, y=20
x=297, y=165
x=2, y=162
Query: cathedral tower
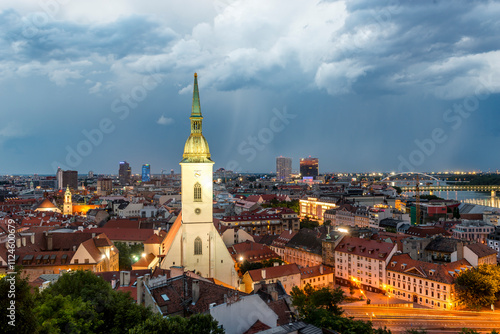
x=193, y=241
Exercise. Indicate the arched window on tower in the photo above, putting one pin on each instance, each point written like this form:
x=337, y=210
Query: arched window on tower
x=197, y=192
x=197, y=246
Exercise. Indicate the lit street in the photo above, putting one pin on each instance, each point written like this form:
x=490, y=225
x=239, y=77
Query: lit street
x=435, y=321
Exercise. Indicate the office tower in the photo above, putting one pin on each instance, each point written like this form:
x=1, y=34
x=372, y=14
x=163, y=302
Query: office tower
x=283, y=168
x=309, y=167
x=124, y=173
x=59, y=177
x=67, y=178
x=146, y=173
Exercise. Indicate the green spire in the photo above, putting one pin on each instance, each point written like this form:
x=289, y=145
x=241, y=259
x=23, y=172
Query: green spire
x=196, y=109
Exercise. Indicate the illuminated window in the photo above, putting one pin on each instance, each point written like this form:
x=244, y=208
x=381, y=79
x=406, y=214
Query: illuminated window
x=197, y=246
x=197, y=192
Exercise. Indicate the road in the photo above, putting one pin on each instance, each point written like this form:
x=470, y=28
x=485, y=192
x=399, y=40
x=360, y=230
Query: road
x=435, y=321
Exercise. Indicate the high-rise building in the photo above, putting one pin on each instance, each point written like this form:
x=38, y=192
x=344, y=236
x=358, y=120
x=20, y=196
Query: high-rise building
x=193, y=241
x=59, y=177
x=309, y=167
x=104, y=186
x=146, y=173
x=283, y=168
x=67, y=178
x=124, y=173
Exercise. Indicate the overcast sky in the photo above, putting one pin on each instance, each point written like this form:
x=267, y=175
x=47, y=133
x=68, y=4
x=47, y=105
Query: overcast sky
x=391, y=86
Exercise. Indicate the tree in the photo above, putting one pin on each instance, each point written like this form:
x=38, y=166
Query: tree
x=17, y=289
x=478, y=287
x=115, y=312
x=128, y=253
x=456, y=213
x=64, y=314
x=198, y=323
x=320, y=307
x=308, y=223
x=415, y=331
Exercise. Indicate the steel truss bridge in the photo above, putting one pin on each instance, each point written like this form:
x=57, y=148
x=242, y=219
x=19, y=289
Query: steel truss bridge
x=438, y=187
x=452, y=188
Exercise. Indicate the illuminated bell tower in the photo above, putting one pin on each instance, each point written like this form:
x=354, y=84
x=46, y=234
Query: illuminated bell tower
x=68, y=205
x=197, y=170
x=193, y=241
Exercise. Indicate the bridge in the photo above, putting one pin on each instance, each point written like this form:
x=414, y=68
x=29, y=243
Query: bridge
x=491, y=188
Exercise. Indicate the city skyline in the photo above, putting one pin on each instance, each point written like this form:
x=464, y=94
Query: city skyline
x=387, y=88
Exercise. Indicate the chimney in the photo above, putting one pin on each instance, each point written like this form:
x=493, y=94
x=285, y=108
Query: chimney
x=124, y=278
x=195, y=291
x=49, y=241
x=140, y=289
x=263, y=272
x=321, y=269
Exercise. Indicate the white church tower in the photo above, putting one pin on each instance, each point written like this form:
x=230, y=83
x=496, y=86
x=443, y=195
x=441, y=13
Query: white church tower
x=193, y=242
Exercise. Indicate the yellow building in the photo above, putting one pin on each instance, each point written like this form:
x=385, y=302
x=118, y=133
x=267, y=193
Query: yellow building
x=314, y=208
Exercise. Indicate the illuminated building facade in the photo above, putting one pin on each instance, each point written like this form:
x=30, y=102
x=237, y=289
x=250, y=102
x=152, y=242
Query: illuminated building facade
x=309, y=167
x=146, y=173
x=124, y=173
x=425, y=283
x=193, y=242
x=283, y=168
x=315, y=208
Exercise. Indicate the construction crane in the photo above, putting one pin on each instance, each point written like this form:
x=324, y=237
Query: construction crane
x=417, y=203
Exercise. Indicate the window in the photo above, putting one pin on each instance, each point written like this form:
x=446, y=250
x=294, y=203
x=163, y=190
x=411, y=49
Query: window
x=197, y=246
x=197, y=192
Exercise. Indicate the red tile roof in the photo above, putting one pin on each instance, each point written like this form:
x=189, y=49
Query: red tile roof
x=274, y=272
x=481, y=250
x=365, y=247
x=444, y=273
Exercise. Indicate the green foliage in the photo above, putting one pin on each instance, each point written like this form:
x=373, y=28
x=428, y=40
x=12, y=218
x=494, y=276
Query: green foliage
x=271, y=262
x=307, y=223
x=415, y=331
x=478, y=287
x=398, y=189
x=294, y=205
x=25, y=320
x=484, y=179
x=198, y=323
x=429, y=197
x=319, y=307
x=64, y=314
x=246, y=266
x=456, y=213
x=115, y=312
x=126, y=254
x=468, y=331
